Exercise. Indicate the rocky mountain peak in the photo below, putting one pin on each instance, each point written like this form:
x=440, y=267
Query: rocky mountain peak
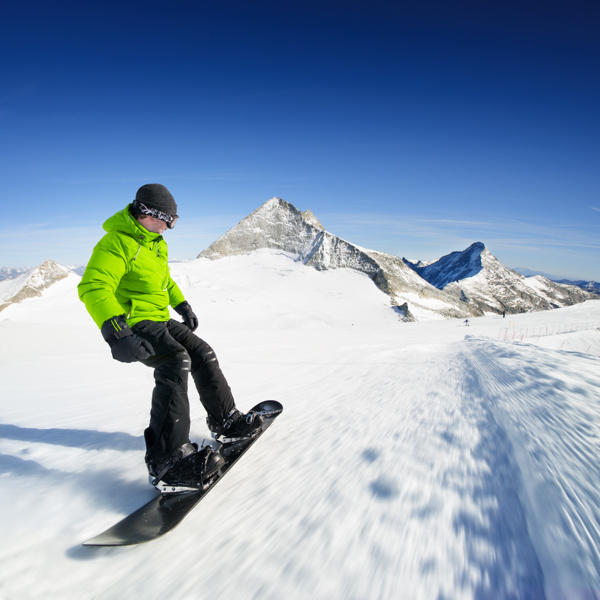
x=308, y=215
x=31, y=284
x=276, y=224
x=454, y=266
x=477, y=277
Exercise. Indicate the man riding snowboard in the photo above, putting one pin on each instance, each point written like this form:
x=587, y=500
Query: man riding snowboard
x=127, y=289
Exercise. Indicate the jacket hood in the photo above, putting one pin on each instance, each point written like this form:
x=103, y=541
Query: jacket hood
x=125, y=222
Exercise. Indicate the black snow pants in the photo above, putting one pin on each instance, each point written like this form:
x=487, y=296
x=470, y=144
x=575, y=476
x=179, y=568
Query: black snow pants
x=179, y=352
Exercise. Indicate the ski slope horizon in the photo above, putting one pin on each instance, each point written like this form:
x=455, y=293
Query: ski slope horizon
x=413, y=460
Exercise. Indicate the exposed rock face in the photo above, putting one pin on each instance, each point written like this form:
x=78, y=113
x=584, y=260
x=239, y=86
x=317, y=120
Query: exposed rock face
x=559, y=294
x=32, y=284
x=453, y=267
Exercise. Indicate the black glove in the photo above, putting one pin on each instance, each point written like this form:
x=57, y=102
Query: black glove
x=189, y=318
x=125, y=346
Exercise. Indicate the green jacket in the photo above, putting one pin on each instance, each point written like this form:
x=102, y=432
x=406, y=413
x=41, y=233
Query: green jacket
x=128, y=274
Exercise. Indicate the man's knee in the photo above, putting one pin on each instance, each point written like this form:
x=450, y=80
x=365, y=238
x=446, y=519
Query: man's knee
x=186, y=361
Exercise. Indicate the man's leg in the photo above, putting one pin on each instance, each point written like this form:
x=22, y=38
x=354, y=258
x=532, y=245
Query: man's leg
x=169, y=426
x=215, y=393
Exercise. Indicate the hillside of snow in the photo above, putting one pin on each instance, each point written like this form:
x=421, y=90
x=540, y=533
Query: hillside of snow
x=426, y=460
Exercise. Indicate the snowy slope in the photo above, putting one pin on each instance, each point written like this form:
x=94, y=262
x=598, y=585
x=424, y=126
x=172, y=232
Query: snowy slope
x=412, y=461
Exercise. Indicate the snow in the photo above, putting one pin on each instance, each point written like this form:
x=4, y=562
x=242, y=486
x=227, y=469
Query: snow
x=412, y=460
x=9, y=287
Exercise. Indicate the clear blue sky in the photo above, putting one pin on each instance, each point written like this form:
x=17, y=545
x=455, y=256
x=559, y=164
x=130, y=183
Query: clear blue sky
x=415, y=128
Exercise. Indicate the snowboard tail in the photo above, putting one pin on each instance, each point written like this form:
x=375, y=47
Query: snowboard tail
x=164, y=512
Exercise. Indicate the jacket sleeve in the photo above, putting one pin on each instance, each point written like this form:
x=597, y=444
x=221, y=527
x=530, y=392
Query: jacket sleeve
x=175, y=295
x=103, y=273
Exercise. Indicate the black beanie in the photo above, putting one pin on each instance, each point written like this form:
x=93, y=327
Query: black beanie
x=155, y=195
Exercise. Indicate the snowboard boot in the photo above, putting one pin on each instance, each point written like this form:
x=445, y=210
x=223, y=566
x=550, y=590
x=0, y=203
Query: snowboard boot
x=237, y=426
x=187, y=469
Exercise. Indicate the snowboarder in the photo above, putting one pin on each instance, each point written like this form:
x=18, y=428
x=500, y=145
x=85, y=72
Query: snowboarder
x=127, y=289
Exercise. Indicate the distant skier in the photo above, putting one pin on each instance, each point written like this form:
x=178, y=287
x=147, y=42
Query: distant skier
x=127, y=289
x=467, y=322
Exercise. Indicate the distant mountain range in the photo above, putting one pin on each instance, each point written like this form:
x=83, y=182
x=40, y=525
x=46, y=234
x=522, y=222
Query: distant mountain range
x=460, y=285
x=588, y=286
x=281, y=226
x=12, y=273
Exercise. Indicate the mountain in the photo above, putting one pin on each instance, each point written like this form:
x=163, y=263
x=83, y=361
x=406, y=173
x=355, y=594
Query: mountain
x=478, y=277
x=12, y=273
x=453, y=267
x=279, y=225
x=531, y=273
x=31, y=283
x=77, y=269
x=459, y=285
x=588, y=286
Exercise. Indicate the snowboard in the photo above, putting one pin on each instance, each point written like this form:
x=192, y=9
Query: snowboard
x=164, y=512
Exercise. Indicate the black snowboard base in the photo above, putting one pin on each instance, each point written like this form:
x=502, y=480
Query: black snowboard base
x=164, y=512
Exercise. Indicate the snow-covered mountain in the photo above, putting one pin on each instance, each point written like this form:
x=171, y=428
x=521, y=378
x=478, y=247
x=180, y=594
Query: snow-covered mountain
x=279, y=225
x=77, y=269
x=31, y=283
x=478, y=277
x=452, y=267
x=588, y=286
x=12, y=272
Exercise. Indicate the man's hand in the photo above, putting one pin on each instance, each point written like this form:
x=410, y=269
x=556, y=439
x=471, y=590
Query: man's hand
x=125, y=346
x=189, y=318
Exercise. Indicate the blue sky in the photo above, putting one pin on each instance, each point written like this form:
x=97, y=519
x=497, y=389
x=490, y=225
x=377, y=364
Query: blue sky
x=414, y=128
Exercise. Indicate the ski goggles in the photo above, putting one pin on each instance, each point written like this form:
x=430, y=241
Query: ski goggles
x=170, y=220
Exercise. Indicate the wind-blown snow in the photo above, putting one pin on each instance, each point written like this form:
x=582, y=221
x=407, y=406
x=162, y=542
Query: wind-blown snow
x=412, y=460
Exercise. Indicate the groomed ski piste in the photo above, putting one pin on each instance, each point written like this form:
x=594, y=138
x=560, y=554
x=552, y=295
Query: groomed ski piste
x=427, y=460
